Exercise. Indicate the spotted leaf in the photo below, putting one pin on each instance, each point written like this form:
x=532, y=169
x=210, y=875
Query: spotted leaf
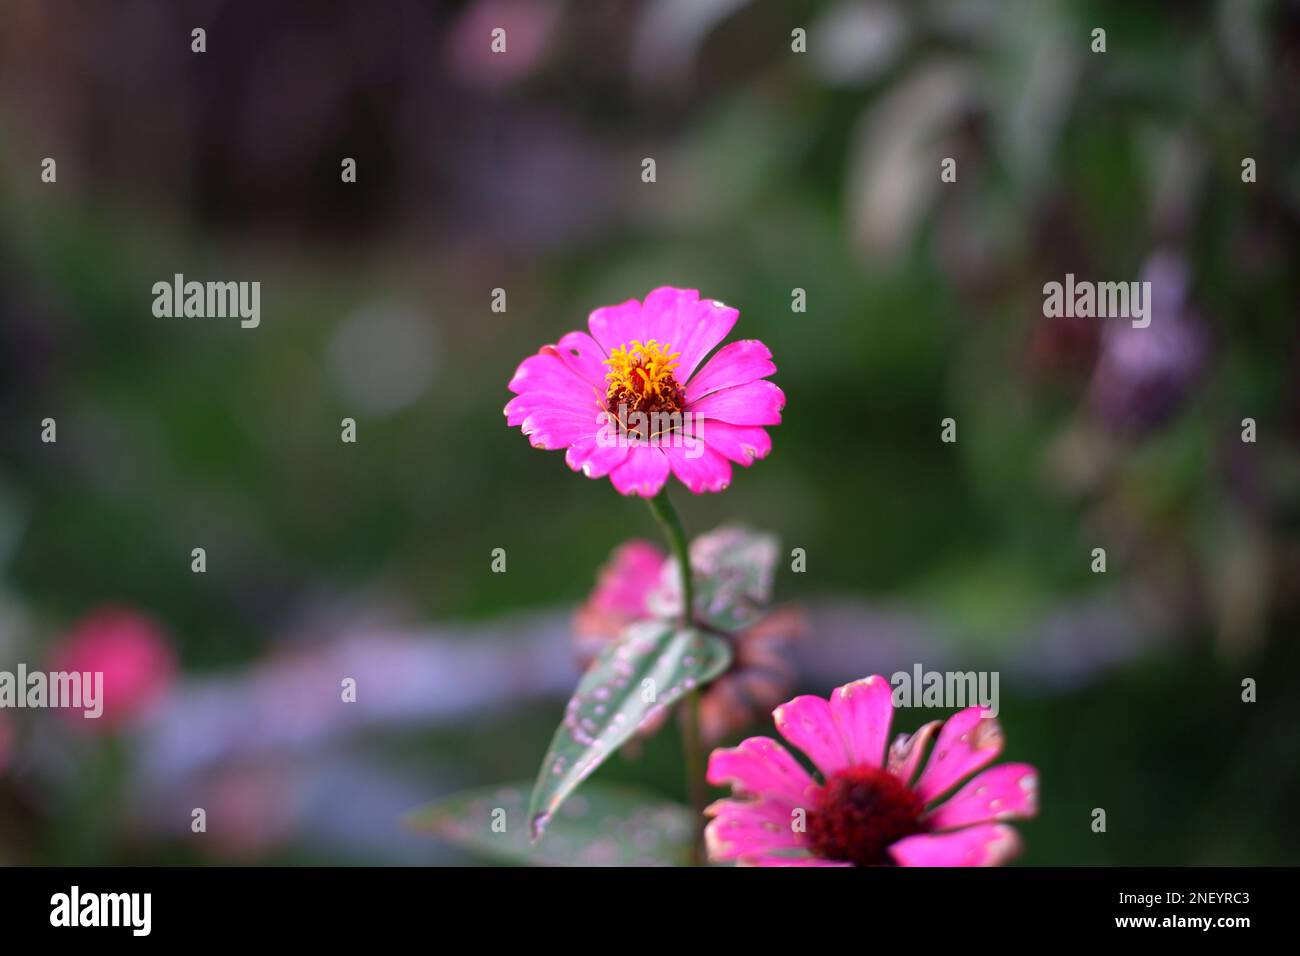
x=734, y=570
x=633, y=681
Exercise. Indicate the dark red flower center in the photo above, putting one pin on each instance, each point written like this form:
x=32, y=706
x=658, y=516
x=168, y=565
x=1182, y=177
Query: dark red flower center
x=863, y=810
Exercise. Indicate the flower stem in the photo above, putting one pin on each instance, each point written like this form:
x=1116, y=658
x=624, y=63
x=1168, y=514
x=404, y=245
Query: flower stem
x=666, y=515
x=697, y=795
x=668, y=519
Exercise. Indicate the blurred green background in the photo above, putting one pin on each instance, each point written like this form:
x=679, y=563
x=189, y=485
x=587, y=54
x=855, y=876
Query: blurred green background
x=776, y=171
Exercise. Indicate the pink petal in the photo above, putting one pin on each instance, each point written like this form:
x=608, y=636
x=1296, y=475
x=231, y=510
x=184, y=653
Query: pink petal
x=691, y=325
x=762, y=767
x=739, y=443
x=989, y=844
x=807, y=723
x=594, y=458
x=670, y=314
x=755, y=403
x=906, y=751
x=553, y=428
x=862, y=712
x=544, y=384
x=966, y=743
x=736, y=363
x=581, y=353
x=1005, y=792
x=616, y=325
x=541, y=400
x=700, y=468
x=760, y=810
x=748, y=828
x=643, y=472
x=547, y=373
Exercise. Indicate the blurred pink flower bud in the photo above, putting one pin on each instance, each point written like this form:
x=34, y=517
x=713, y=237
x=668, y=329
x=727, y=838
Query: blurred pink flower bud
x=496, y=43
x=132, y=653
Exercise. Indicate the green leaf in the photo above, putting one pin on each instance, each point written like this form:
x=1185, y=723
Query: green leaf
x=611, y=703
x=602, y=826
x=734, y=570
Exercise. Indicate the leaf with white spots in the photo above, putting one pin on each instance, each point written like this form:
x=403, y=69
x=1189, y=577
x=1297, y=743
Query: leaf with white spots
x=633, y=681
x=602, y=826
x=734, y=571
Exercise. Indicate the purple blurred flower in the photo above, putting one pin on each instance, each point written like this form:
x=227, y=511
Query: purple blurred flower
x=1144, y=374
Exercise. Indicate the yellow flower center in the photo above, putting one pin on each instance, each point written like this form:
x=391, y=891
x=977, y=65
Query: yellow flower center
x=641, y=369
x=641, y=379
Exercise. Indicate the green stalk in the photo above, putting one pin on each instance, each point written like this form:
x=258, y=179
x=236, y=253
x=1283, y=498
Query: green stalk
x=666, y=515
x=668, y=519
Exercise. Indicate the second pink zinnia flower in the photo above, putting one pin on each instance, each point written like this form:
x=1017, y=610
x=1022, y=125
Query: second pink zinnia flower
x=868, y=810
x=635, y=399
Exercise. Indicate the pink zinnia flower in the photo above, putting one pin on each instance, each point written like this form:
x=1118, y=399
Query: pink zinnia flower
x=131, y=652
x=759, y=675
x=868, y=810
x=627, y=400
